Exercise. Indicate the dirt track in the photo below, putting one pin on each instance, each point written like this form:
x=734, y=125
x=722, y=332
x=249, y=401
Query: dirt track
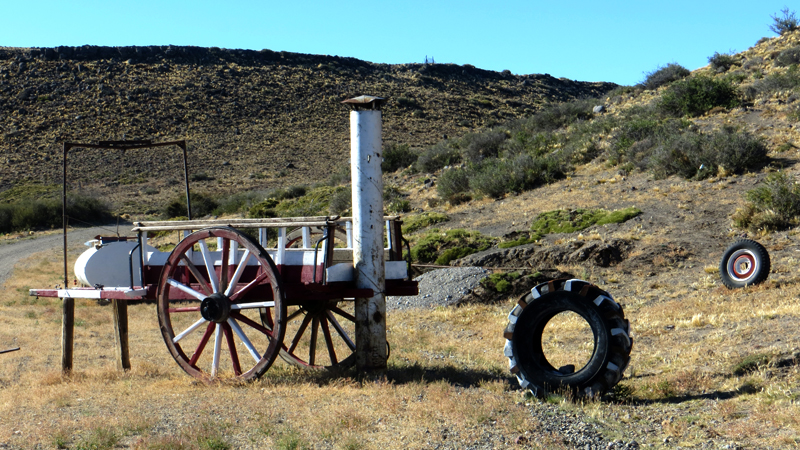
x=14, y=250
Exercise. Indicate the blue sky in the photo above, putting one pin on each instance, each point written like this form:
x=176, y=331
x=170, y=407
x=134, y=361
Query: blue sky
x=617, y=41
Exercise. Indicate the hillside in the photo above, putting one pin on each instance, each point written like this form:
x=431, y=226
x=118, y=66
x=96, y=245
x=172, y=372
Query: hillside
x=246, y=114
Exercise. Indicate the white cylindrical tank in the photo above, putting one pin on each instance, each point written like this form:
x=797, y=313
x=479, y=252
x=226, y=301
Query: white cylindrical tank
x=108, y=264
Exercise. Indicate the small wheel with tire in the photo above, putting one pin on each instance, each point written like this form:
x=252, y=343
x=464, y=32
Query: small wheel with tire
x=744, y=263
x=221, y=297
x=568, y=335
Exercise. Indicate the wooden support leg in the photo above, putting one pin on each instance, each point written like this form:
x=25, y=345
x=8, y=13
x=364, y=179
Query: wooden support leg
x=67, y=333
x=121, y=333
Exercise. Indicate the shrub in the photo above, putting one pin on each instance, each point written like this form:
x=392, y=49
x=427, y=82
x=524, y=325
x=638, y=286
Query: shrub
x=774, y=205
x=202, y=205
x=784, y=23
x=664, y=75
x=437, y=157
x=560, y=115
x=500, y=282
x=697, y=95
x=721, y=62
x=397, y=156
x=789, y=56
x=453, y=185
x=478, y=146
x=494, y=178
x=694, y=155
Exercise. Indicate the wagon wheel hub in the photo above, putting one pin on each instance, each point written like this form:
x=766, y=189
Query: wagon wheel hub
x=216, y=308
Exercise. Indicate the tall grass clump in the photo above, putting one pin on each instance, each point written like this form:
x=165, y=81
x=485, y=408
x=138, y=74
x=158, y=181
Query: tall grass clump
x=773, y=205
x=697, y=95
x=664, y=75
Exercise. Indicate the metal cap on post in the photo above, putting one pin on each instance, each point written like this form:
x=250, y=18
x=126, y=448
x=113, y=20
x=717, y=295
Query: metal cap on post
x=367, y=187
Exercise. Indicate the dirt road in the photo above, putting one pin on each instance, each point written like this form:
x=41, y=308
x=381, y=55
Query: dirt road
x=14, y=250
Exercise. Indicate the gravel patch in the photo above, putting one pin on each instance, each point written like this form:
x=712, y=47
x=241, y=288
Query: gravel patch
x=440, y=287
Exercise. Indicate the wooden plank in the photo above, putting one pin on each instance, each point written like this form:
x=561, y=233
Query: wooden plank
x=311, y=221
x=120, y=308
x=67, y=334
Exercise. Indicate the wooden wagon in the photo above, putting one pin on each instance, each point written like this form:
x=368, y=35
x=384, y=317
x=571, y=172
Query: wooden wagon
x=233, y=295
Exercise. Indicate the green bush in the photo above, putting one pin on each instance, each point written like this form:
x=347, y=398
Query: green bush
x=453, y=185
x=721, y=62
x=664, y=75
x=437, y=157
x=202, y=205
x=694, y=155
x=789, y=56
x=773, y=205
x=479, y=146
x=493, y=178
x=784, y=23
x=696, y=95
x=500, y=282
x=397, y=156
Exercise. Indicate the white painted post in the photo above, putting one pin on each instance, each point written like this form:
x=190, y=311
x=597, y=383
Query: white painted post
x=367, y=184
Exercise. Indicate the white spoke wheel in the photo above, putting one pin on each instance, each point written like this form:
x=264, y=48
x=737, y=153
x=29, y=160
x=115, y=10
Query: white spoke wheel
x=744, y=263
x=210, y=303
x=597, y=337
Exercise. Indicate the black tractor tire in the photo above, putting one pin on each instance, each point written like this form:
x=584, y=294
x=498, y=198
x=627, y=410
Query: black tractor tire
x=610, y=329
x=744, y=263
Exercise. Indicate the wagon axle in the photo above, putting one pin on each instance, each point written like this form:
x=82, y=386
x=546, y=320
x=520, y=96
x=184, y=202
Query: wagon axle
x=216, y=308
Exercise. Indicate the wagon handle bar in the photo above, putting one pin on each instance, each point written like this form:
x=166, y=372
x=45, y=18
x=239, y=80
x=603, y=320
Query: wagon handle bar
x=130, y=259
x=316, y=252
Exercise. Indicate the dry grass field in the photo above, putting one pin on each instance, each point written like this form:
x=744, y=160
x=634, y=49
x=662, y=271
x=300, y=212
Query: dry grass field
x=710, y=367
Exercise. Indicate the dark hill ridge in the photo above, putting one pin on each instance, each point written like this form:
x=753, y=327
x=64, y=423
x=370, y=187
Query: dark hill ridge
x=246, y=114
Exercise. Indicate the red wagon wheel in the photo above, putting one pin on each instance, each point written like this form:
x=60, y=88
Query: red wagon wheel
x=223, y=294
x=320, y=334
